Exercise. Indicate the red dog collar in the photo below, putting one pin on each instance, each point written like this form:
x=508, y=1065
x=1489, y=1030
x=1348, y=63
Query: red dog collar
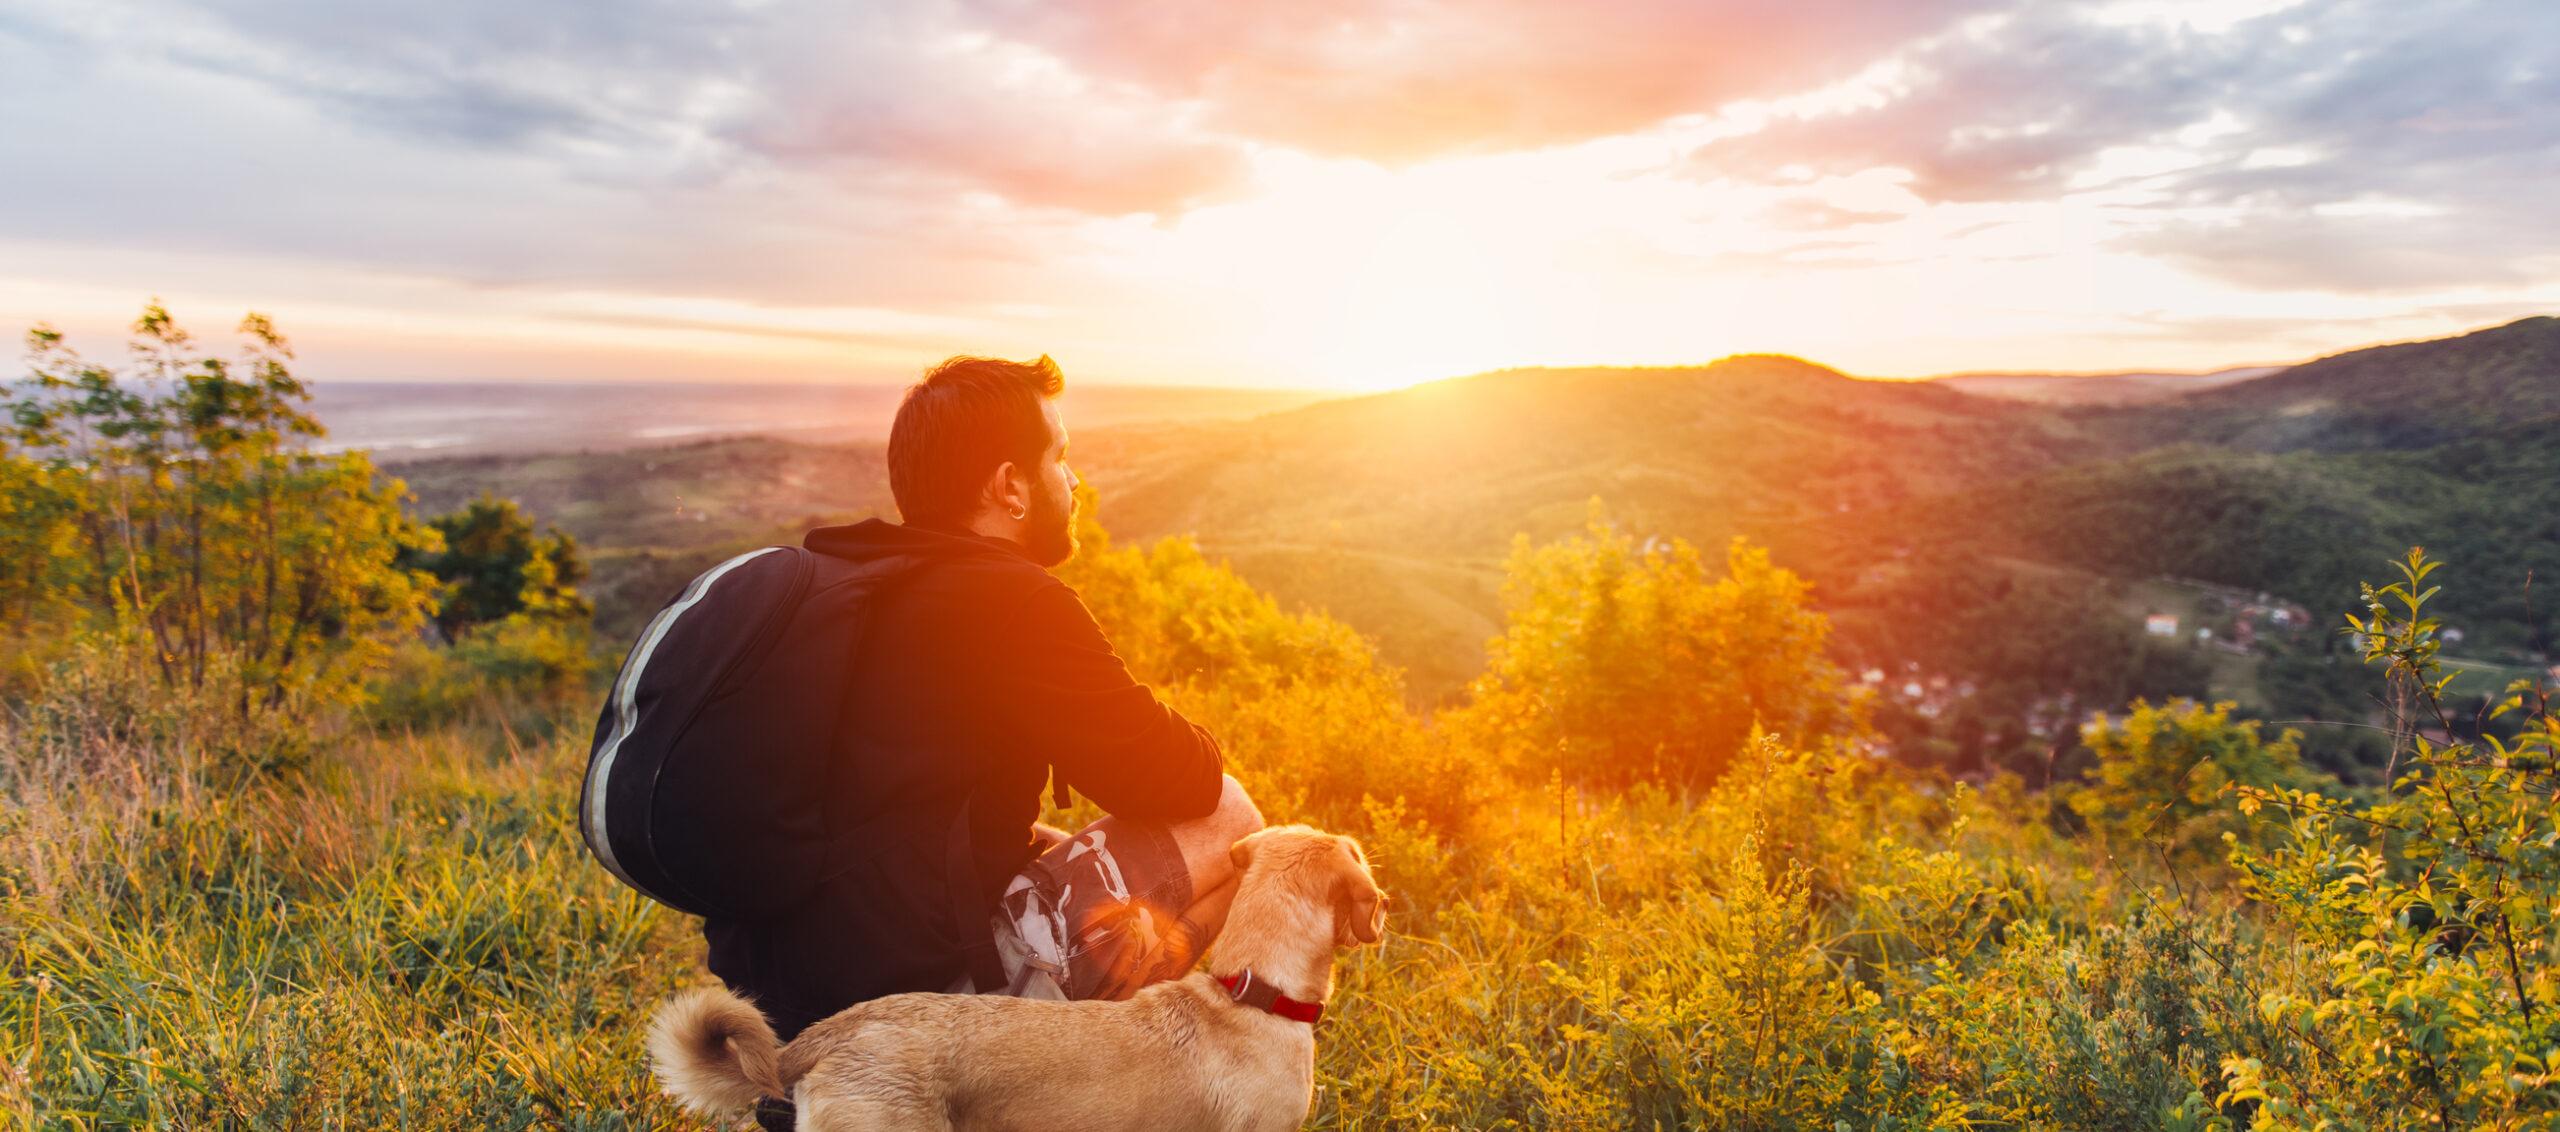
x=1253, y=992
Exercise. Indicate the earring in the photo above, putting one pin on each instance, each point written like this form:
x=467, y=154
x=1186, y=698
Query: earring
x=1018, y=512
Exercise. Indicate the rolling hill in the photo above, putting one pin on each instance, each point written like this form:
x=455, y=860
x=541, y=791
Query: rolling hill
x=2095, y=388
x=1456, y=468
x=1909, y=504
x=2410, y=395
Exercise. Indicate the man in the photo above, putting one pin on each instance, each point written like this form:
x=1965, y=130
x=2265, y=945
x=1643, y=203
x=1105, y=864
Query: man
x=980, y=677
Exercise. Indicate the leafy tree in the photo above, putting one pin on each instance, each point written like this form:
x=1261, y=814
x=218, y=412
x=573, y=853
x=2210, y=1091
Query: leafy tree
x=176, y=505
x=493, y=563
x=39, y=535
x=1623, y=662
x=2163, y=773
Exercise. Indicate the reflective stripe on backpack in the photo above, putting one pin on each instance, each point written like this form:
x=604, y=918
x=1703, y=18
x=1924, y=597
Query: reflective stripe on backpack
x=625, y=707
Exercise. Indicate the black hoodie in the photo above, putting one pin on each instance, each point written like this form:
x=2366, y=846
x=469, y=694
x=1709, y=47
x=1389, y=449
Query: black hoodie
x=981, y=674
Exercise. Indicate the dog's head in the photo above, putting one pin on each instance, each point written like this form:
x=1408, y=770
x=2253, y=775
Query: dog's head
x=1324, y=869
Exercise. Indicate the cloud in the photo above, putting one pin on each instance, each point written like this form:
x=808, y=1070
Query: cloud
x=1101, y=106
x=1959, y=169
x=649, y=93
x=1104, y=105
x=1805, y=214
x=2006, y=109
x=2340, y=146
x=985, y=113
x=1402, y=80
x=2278, y=249
x=473, y=73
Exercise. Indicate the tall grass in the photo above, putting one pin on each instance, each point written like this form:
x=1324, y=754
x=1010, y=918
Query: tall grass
x=405, y=932
x=400, y=928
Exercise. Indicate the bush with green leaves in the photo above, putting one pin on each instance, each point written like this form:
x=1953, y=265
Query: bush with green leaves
x=2164, y=775
x=1622, y=662
x=175, y=507
x=2433, y=911
x=1314, y=724
x=493, y=564
x=532, y=665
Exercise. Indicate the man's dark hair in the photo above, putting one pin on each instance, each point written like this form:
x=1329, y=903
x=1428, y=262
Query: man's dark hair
x=967, y=416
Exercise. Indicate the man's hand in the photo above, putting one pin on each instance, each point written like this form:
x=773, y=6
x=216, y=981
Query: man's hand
x=1188, y=936
x=1046, y=837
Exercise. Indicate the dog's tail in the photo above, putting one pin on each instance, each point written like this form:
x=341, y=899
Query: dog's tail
x=715, y=1052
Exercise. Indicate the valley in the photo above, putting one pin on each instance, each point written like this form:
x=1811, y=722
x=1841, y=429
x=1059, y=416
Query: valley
x=2010, y=546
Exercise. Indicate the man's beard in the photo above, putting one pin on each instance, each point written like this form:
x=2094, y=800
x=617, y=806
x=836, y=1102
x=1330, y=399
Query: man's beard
x=1050, y=530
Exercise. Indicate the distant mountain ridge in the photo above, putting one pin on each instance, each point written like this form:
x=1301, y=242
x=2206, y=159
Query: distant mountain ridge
x=1459, y=466
x=1394, y=510
x=2095, y=388
x=400, y=421
x=1362, y=505
x=2408, y=395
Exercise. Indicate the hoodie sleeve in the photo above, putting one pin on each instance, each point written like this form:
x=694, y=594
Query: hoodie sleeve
x=1063, y=691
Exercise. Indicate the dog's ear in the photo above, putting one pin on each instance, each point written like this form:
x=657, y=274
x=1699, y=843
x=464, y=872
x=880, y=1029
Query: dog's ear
x=1241, y=854
x=1359, y=909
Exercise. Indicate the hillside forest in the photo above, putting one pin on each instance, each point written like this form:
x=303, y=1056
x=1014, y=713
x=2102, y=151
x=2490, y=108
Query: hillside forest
x=1746, y=746
x=1991, y=567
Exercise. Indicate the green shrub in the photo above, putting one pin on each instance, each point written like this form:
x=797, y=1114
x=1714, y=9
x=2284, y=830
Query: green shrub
x=2165, y=774
x=1317, y=728
x=2433, y=912
x=492, y=564
x=1622, y=663
x=176, y=508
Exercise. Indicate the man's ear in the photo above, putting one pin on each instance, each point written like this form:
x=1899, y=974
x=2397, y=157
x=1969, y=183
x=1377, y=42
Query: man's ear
x=1003, y=494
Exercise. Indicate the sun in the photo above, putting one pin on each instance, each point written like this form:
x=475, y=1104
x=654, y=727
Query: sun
x=1354, y=277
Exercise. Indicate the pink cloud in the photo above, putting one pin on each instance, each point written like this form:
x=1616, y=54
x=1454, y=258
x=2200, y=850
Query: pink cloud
x=1396, y=80
x=1103, y=153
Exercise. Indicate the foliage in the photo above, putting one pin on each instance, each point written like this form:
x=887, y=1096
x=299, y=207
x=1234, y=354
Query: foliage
x=2162, y=773
x=195, y=938
x=2327, y=686
x=406, y=932
x=493, y=564
x=1314, y=723
x=526, y=670
x=1651, y=876
x=2431, y=911
x=2412, y=395
x=174, y=505
x=530, y=665
x=2300, y=525
x=1623, y=663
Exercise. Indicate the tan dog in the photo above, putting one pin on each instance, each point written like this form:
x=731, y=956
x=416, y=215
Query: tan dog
x=1221, y=1049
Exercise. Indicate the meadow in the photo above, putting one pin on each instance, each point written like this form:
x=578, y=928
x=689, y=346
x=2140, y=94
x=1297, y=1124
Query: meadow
x=277, y=854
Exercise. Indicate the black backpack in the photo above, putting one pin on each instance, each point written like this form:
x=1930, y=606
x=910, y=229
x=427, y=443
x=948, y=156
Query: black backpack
x=706, y=788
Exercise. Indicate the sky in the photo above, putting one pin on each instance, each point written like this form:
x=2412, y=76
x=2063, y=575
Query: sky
x=1347, y=194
